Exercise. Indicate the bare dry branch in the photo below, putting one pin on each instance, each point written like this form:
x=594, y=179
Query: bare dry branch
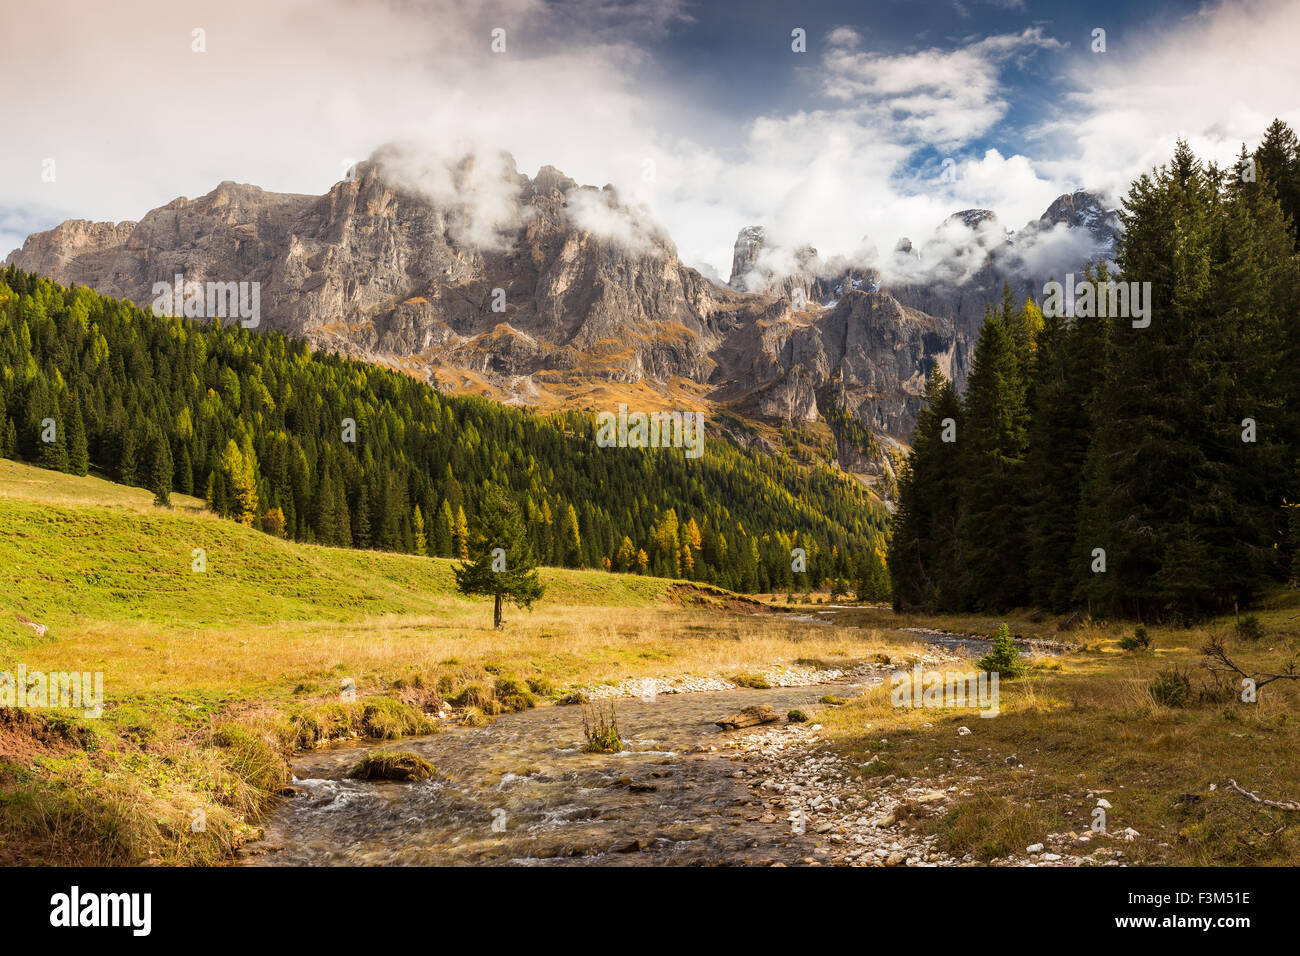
x=1276, y=804
x=1220, y=663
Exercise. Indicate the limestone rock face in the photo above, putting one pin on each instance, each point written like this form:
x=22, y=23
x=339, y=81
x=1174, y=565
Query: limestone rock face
x=549, y=284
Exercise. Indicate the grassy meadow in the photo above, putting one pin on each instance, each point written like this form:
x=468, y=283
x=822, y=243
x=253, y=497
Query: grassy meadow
x=1085, y=726
x=213, y=678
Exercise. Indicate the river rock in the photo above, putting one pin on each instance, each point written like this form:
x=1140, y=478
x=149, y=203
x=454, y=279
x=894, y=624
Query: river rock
x=750, y=717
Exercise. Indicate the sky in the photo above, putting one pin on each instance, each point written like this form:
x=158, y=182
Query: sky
x=707, y=117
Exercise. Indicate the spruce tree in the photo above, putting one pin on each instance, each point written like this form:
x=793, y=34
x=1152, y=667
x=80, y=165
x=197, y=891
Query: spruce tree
x=160, y=470
x=78, y=449
x=994, y=539
x=925, y=565
x=501, y=563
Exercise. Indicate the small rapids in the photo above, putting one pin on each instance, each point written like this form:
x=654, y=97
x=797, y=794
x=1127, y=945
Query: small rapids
x=520, y=791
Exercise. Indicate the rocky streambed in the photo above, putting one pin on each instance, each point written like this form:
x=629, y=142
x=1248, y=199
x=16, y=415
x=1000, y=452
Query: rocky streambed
x=521, y=791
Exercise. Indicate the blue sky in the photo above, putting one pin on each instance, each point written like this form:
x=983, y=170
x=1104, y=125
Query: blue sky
x=699, y=112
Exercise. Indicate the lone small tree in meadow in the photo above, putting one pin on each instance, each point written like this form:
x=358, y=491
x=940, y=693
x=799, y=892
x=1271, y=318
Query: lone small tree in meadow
x=1004, y=657
x=501, y=561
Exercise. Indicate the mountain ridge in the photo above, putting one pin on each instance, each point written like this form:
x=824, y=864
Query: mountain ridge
x=558, y=293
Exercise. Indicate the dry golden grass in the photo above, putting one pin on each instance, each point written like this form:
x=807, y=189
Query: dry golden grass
x=1086, y=723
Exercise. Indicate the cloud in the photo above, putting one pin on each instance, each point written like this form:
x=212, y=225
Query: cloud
x=599, y=212
x=478, y=191
x=944, y=98
x=878, y=144
x=1216, y=78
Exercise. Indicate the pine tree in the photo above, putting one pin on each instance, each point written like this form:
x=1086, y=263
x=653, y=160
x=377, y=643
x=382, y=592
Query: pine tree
x=926, y=568
x=78, y=450
x=417, y=525
x=994, y=539
x=503, y=563
x=184, y=482
x=1059, y=430
x=127, y=466
x=444, y=530
x=1277, y=162
x=51, y=432
x=160, y=470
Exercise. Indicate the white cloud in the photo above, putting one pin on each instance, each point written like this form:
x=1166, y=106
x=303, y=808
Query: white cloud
x=286, y=93
x=943, y=98
x=599, y=212
x=1216, y=78
x=478, y=191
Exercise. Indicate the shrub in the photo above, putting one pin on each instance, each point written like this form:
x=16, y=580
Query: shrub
x=573, y=697
x=1171, y=688
x=1139, y=640
x=754, y=681
x=1004, y=657
x=600, y=727
x=1250, y=628
x=388, y=718
x=797, y=717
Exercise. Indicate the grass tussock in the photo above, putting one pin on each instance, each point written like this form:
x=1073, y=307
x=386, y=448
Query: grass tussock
x=383, y=718
x=403, y=766
x=989, y=827
x=600, y=728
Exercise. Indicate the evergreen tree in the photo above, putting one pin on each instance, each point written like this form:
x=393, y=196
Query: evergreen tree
x=78, y=449
x=184, y=482
x=994, y=539
x=1059, y=429
x=444, y=531
x=926, y=569
x=1277, y=162
x=127, y=467
x=161, y=468
x=503, y=564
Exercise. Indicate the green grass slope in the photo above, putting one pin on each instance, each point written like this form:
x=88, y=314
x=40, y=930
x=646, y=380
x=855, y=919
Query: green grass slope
x=75, y=551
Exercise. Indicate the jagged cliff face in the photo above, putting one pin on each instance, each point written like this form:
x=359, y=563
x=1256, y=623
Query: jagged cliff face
x=566, y=287
x=868, y=350
x=951, y=276
x=374, y=270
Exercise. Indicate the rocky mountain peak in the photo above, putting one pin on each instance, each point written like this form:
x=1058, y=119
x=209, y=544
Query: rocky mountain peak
x=973, y=218
x=744, y=256
x=1084, y=210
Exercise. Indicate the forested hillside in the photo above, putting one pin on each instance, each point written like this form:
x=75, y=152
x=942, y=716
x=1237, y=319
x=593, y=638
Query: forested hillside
x=1098, y=463
x=258, y=425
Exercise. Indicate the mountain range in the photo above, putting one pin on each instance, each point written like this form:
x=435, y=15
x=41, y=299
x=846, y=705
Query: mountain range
x=544, y=292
